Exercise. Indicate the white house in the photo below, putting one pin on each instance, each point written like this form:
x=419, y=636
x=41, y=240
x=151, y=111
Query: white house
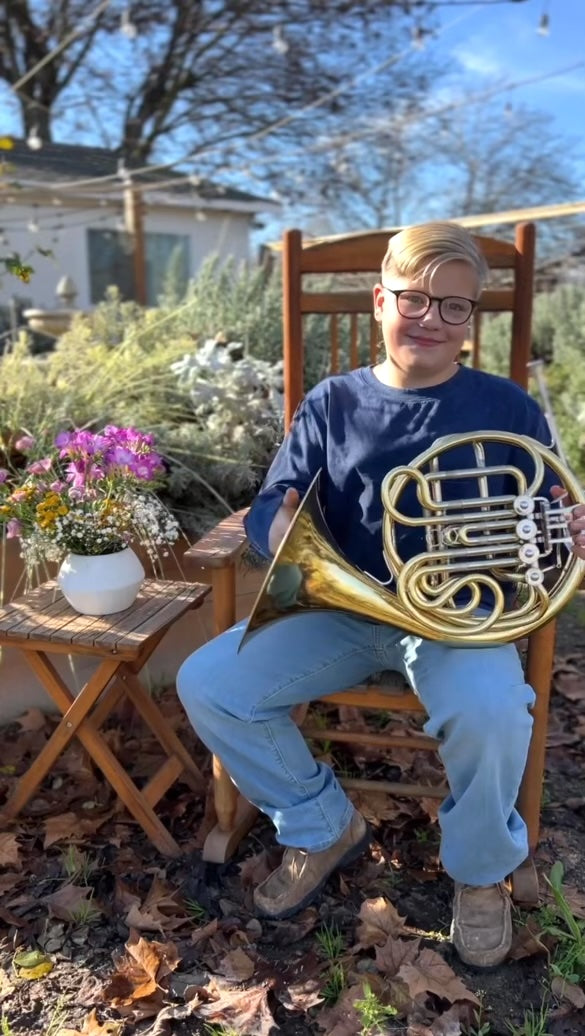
x=72, y=201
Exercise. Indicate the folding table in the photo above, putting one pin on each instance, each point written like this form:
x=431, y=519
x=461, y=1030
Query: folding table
x=41, y=623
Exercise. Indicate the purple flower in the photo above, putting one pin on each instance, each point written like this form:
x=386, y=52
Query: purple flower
x=3, y=474
x=58, y=486
x=13, y=529
x=26, y=442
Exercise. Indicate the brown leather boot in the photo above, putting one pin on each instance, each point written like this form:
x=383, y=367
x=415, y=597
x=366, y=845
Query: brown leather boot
x=301, y=875
x=481, y=930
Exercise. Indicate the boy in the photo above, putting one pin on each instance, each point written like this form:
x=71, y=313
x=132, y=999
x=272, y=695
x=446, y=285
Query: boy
x=356, y=427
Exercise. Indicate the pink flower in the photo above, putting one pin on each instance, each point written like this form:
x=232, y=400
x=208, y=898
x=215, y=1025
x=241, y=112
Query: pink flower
x=26, y=442
x=13, y=529
x=39, y=467
x=57, y=486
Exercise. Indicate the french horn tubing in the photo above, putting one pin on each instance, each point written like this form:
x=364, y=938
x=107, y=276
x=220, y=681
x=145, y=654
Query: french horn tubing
x=474, y=545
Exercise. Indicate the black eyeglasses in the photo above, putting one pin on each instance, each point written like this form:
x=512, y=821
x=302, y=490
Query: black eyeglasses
x=414, y=304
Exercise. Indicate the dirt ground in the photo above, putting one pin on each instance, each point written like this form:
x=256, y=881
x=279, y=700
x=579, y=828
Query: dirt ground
x=101, y=935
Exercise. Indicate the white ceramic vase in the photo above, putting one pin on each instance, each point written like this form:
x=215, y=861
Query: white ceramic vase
x=101, y=584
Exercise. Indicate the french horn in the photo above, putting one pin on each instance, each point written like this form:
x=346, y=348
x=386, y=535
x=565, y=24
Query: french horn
x=473, y=547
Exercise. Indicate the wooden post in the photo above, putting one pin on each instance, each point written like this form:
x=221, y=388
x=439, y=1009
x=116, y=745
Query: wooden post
x=134, y=224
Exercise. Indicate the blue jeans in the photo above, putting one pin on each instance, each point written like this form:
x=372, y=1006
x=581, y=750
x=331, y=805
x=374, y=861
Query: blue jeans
x=477, y=706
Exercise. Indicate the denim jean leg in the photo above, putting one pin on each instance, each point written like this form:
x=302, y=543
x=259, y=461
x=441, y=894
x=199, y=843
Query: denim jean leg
x=478, y=707
x=239, y=704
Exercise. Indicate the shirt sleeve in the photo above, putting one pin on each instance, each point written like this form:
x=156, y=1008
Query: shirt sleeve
x=301, y=455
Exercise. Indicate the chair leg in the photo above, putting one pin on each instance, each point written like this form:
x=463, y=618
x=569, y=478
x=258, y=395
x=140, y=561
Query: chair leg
x=235, y=817
x=524, y=881
x=539, y=667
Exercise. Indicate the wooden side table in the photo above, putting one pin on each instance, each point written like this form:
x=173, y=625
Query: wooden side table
x=42, y=623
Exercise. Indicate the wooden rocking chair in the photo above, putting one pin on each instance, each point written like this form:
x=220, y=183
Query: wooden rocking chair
x=353, y=339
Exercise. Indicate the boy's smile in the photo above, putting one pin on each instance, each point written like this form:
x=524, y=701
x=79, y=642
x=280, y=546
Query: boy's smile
x=421, y=351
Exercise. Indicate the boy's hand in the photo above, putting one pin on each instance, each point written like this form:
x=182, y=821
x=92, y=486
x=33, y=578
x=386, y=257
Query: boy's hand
x=282, y=519
x=576, y=525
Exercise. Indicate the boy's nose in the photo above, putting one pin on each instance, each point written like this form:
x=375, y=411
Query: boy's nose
x=432, y=315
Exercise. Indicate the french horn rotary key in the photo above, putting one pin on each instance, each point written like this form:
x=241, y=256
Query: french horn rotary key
x=526, y=529
x=524, y=505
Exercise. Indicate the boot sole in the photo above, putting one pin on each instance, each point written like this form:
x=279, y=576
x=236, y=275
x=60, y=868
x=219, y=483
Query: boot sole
x=351, y=855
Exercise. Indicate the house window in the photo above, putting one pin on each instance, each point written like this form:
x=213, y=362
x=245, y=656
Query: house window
x=111, y=262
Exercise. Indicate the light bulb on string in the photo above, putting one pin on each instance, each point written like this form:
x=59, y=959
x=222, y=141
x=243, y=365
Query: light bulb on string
x=127, y=26
x=279, y=41
x=33, y=223
x=544, y=25
x=34, y=139
x=418, y=37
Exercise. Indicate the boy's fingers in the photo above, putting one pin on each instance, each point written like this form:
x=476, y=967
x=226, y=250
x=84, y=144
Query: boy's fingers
x=291, y=498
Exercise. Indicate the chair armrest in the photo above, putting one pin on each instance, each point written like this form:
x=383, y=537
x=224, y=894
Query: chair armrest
x=222, y=545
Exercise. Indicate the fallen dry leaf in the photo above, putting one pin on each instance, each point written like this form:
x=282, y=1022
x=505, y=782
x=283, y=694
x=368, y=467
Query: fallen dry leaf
x=160, y=911
x=9, y=850
x=254, y=869
x=568, y=681
x=288, y=932
x=429, y=973
x=32, y=719
x=92, y=1027
x=394, y=953
x=343, y=1019
x=135, y=987
x=244, y=1010
x=6, y=987
x=567, y=991
x=378, y=919
x=236, y=966
x=9, y=880
x=62, y=828
x=528, y=941
x=201, y=935
x=70, y=901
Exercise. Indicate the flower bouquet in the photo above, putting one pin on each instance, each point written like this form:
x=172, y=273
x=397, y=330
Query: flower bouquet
x=89, y=495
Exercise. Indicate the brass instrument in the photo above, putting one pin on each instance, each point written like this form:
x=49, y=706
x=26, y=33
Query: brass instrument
x=473, y=544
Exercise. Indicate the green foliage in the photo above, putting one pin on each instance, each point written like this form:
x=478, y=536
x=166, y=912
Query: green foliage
x=373, y=1013
x=534, y=1023
x=559, y=339
x=335, y=984
x=331, y=942
x=115, y=366
x=568, y=961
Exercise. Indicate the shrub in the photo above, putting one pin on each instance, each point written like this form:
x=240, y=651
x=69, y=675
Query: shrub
x=559, y=340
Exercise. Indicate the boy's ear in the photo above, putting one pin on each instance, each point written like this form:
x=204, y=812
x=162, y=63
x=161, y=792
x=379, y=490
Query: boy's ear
x=378, y=298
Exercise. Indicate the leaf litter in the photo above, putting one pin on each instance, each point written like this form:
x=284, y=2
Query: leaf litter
x=94, y=920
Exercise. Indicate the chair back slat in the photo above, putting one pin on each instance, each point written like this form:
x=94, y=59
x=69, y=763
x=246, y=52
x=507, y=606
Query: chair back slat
x=334, y=330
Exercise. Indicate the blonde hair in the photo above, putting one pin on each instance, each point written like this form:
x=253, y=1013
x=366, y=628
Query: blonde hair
x=420, y=250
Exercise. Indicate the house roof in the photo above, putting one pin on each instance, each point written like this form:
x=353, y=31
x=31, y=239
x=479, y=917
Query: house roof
x=74, y=163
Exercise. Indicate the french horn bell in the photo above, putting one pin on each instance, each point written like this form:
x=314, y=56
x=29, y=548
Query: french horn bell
x=473, y=546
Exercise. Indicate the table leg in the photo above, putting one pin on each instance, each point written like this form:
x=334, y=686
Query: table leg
x=74, y=713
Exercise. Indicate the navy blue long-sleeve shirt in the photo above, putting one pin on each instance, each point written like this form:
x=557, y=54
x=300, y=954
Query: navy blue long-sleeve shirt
x=356, y=429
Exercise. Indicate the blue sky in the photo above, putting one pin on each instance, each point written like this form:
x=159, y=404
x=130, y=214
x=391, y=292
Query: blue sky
x=500, y=42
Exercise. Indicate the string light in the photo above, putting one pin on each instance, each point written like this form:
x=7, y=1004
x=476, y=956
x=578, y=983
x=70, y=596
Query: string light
x=418, y=37
x=544, y=25
x=34, y=139
x=33, y=223
x=279, y=41
x=127, y=26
